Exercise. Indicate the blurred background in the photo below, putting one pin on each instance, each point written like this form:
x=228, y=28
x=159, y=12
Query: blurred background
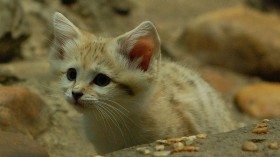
x=233, y=44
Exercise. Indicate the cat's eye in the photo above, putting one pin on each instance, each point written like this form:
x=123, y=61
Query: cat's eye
x=71, y=74
x=101, y=80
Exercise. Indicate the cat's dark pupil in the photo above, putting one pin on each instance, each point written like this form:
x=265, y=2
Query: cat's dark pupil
x=101, y=80
x=71, y=74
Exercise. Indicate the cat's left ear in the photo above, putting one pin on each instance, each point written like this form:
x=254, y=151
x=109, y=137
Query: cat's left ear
x=141, y=45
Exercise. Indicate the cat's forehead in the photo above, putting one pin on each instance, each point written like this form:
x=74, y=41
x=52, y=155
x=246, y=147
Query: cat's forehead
x=93, y=52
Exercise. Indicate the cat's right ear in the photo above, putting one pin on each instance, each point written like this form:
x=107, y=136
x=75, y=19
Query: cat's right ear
x=64, y=31
x=141, y=46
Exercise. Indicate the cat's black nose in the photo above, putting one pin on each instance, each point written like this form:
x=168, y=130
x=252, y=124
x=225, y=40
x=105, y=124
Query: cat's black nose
x=77, y=95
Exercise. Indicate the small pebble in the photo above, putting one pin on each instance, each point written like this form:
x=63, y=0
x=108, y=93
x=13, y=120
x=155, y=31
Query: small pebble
x=249, y=146
x=178, y=145
x=263, y=130
x=186, y=149
x=159, y=147
x=162, y=153
x=273, y=145
x=201, y=136
x=143, y=150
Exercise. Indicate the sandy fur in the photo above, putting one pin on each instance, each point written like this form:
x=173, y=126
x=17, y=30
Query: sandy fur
x=138, y=106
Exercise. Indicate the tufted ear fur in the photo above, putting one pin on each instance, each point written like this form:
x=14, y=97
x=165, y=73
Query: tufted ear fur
x=64, y=32
x=141, y=45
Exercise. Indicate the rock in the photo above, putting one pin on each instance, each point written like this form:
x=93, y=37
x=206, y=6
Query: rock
x=13, y=29
x=239, y=38
x=17, y=145
x=223, y=144
x=22, y=111
x=260, y=100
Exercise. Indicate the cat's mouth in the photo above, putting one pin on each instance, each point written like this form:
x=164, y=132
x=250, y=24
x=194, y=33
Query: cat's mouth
x=80, y=106
x=77, y=103
x=82, y=103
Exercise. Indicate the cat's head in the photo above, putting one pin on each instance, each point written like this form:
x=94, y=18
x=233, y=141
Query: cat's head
x=97, y=71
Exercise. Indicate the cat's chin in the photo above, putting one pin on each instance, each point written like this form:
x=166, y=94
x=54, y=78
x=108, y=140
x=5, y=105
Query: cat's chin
x=77, y=105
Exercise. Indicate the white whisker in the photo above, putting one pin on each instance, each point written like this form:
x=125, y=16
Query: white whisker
x=115, y=104
x=112, y=117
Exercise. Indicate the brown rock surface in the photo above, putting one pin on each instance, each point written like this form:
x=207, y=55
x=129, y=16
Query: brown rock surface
x=22, y=111
x=239, y=38
x=260, y=100
x=17, y=145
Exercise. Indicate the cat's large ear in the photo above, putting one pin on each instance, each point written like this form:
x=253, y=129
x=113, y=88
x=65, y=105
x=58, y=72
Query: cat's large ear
x=141, y=45
x=64, y=31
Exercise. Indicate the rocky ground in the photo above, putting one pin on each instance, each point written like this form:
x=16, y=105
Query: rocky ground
x=233, y=44
x=259, y=140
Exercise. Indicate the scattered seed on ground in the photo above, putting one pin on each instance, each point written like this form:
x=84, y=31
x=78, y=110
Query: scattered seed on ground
x=159, y=147
x=178, y=145
x=263, y=130
x=188, y=143
x=143, y=150
x=189, y=138
x=261, y=125
x=257, y=140
x=201, y=136
x=273, y=145
x=165, y=142
x=265, y=120
x=162, y=153
x=249, y=146
x=186, y=149
x=175, y=139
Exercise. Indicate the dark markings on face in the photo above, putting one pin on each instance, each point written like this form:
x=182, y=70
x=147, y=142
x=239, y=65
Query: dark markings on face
x=127, y=89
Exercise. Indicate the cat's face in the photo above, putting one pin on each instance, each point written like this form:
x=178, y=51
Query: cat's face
x=105, y=72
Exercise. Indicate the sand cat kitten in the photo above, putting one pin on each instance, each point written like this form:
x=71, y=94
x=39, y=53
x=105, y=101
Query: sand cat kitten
x=127, y=94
